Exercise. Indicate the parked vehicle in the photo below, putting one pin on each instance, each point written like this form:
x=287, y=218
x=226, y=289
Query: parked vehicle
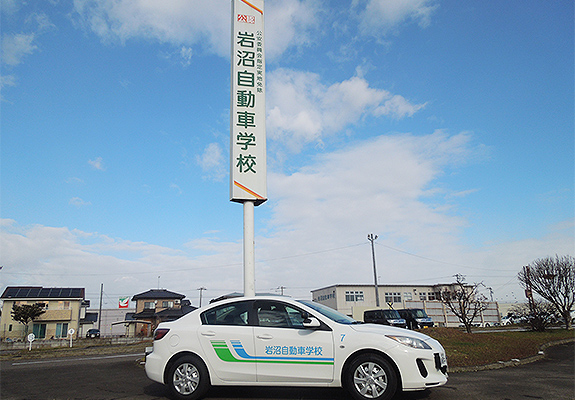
x=277, y=341
x=93, y=333
x=384, y=317
x=416, y=318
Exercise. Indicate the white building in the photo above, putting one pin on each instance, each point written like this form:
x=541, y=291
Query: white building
x=353, y=300
x=109, y=322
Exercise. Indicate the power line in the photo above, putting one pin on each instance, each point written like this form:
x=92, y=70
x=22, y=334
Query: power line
x=438, y=261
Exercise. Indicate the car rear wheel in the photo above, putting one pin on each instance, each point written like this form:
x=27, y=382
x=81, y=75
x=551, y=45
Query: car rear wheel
x=188, y=378
x=370, y=376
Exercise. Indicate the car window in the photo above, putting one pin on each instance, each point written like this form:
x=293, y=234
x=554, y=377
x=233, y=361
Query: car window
x=391, y=314
x=228, y=314
x=330, y=313
x=278, y=314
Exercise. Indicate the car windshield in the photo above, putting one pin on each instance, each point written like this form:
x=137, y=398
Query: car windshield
x=420, y=313
x=329, y=313
x=391, y=314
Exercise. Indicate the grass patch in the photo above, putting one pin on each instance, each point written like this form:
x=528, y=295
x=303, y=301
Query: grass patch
x=466, y=350
x=80, y=348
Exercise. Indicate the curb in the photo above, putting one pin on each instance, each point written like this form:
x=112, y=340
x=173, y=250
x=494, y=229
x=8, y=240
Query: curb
x=514, y=362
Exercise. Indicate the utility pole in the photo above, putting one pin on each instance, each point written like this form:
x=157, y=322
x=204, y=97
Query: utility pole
x=201, y=289
x=371, y=237
x=100, y=312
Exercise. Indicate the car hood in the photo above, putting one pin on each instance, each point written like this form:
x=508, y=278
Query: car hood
x=389, y=330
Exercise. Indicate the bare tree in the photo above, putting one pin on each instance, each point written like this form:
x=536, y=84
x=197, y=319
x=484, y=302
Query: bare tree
x=554, y=280
x=464, y=301
x=539, y=314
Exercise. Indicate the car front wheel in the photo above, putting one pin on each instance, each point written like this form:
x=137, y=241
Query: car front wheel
x=188, y=378
x=370, y=376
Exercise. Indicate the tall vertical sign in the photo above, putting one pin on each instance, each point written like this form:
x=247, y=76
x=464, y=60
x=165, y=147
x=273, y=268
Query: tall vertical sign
x=247, y=118
x=247, y=122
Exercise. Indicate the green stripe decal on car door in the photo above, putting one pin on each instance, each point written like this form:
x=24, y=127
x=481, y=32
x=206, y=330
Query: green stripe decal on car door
x=225, y=354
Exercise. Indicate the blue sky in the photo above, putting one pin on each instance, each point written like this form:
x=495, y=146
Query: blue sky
x=444, y=127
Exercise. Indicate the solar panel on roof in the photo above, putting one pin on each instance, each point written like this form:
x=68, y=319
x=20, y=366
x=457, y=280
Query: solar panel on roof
x=40, y=292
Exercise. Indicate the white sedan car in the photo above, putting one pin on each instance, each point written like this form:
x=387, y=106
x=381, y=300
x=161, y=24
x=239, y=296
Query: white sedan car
x=277, y=341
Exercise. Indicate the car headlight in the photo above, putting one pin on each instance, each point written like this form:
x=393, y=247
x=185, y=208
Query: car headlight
x=410, y=342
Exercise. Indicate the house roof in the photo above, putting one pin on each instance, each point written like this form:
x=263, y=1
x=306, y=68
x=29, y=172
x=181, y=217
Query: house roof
x=91, y=317
x=155, y=294
x=39, y=292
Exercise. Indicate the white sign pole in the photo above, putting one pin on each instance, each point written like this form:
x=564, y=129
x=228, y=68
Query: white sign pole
x=249, y=250
x=31, y=338
x=71, y=334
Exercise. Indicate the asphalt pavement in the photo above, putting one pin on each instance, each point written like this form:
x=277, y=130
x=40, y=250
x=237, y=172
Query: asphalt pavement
x=122, y=377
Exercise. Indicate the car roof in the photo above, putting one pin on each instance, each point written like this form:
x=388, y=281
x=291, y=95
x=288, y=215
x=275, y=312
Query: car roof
x=244, y=298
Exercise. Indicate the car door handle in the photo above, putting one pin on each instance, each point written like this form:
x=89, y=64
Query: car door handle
x=209, y=333
x=265, y=336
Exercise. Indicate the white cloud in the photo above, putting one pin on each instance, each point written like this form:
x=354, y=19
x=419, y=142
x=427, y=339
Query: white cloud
x=78, y=202
x=176, y=188
x=97, y=164
x=10, y=7
x=315, y=235
x=379, y=17
x=74, y=180
x=6, y=81
x=212, y=162
x=16, y=46
x=60, y=257
x=290, y=23
x=303, y=110
x=189, y=22
x=186, y=55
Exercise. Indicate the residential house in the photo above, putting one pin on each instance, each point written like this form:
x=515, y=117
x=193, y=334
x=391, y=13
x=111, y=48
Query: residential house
x=158, y=305
x=65, y=309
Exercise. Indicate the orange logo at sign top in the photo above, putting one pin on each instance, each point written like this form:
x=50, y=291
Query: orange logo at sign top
x=248, y=19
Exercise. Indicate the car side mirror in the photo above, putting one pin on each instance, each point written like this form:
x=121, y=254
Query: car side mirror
x=311, y=322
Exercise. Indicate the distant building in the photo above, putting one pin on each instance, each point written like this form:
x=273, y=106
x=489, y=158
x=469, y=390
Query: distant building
x=353, y=300
x=110, y=321
x=158, y=305
x=65, y=309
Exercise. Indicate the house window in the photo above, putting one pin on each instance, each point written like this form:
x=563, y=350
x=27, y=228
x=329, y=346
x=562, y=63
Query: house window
x=431, y=296
x=149, y=305
x=168, y=304
x=352, y=295
x=61, y=330
x=63, y=305
x=39, y=331
x=407, y=296
x=422, y=296
x=10, y=328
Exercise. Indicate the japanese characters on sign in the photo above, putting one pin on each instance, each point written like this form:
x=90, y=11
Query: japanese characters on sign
x=248, y=173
